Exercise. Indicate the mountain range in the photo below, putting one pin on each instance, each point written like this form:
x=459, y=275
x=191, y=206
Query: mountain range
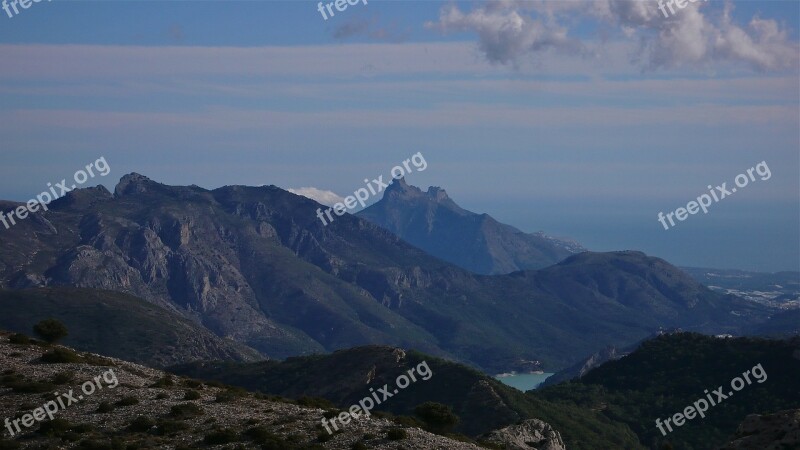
x=255, y=266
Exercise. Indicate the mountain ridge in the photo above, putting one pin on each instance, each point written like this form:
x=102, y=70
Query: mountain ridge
x=254, y=264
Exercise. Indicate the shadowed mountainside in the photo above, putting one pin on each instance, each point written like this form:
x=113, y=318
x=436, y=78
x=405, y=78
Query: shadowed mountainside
x=255, y=265
x=476, y=242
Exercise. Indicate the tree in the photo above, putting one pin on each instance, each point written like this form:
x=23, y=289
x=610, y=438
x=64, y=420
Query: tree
x=438, y=417
x=51, y=330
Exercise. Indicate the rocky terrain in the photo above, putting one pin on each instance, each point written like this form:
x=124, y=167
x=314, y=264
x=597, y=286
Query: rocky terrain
x=148, y=408
x=532, y=433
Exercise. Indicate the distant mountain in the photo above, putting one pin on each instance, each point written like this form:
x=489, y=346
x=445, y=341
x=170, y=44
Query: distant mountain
x=482, y=403
x=476, y=242
x=666, y=374
x=118, y=325
x=255, y=265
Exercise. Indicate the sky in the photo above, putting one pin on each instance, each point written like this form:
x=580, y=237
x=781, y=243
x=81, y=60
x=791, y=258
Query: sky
x=583, y=119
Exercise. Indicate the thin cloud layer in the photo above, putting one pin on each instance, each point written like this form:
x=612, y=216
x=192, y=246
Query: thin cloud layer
x=327, y=198
x=510, y=32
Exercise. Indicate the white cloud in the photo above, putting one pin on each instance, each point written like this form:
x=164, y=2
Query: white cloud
x=327, y=198
x=510, y=32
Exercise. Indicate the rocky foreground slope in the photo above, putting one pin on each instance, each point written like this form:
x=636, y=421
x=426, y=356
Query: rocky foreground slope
x=137, y=407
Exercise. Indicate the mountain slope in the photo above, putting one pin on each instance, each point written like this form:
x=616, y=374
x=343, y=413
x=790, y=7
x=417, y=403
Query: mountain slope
x=476, y=242
x=482, y=403
x=118, y=325
x=139, y=407
x=255, y=265
x=667, y=374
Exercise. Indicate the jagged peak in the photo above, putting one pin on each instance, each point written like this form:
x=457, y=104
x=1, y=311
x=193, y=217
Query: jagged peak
x=400, y=186
x=132, y=183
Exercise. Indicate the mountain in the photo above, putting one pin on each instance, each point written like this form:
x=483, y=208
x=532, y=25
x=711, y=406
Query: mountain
x=482, y=403
x=476, y=242
x=118, y=325
x=255, y=265
x=667, y=374
x=133, y=406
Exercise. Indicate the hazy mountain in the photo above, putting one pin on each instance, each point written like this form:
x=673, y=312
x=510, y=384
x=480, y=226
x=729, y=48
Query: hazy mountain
x=119, y=325
x=254, y=264
x=476, y=242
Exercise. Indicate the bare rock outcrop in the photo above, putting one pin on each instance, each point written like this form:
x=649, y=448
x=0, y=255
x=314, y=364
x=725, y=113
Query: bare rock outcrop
x=530, y=434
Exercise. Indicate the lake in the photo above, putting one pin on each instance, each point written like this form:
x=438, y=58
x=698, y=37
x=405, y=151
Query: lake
x=523, y=381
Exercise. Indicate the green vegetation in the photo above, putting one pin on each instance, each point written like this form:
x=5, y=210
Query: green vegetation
x=667, y=374
x=141, y=424
x=51, y=330
x=61, y=355
x=127, y=401
x=438, y=418
x=220, y=437
x=185, y=411
x=192, y=395
x=19, y=339
x=124, y=316
x=460, y=388
x=396, y=434
x=63, y=377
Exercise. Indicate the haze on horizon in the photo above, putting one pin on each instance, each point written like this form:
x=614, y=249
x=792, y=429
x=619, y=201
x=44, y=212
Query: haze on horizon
x=580, y=119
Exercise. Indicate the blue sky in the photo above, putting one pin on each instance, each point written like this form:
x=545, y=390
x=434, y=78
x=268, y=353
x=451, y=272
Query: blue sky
x=578, y=118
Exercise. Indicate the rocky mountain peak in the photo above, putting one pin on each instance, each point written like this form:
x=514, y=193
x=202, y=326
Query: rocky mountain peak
x=132, y=183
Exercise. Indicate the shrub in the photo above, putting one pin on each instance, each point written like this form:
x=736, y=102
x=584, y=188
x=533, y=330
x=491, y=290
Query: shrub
x=19, y=339
x=63, y=377
x=55, y=428
x=439, y=418
x=51, y=330
x=324, y=436
x=31, y=387
x=192, y=395
x=8, y=445
x=166, y=427
x=186, y=411
x=141, y=424
x=358, y=446
x=61, y=356
x=166, y=381
x=127, y=401
x=162, y=396
x=315, y=402
x=220, y=437
x=396, y=434
x=105, y=407
x=230, y=394
x=194, y=384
